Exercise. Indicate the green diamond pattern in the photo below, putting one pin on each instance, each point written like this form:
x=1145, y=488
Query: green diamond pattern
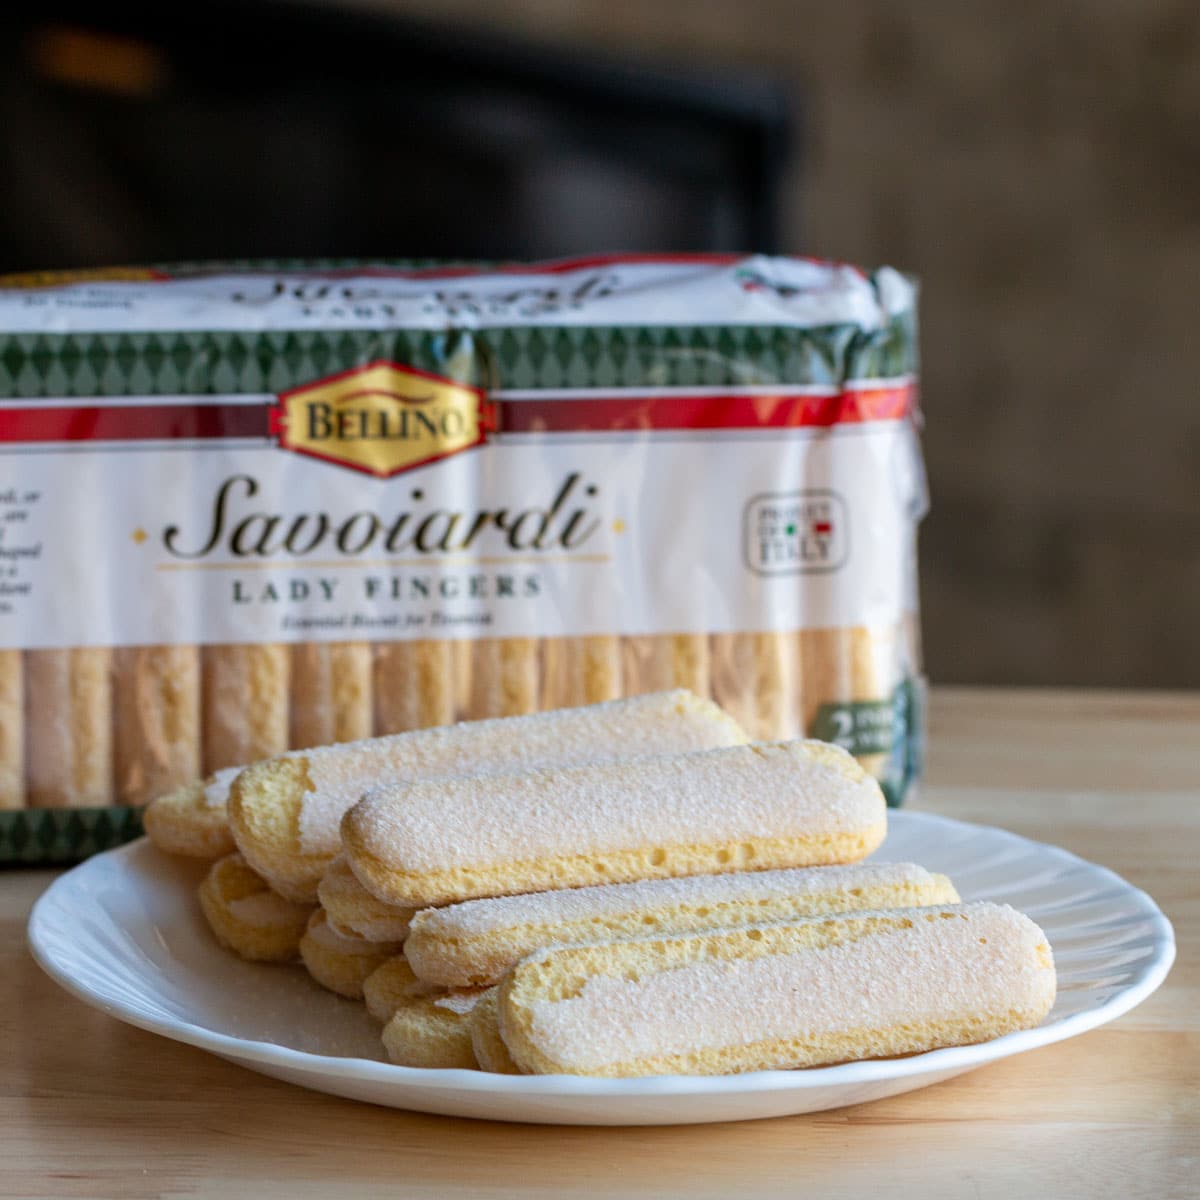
x=15, y=833
x=44, y=836
x=146, y=364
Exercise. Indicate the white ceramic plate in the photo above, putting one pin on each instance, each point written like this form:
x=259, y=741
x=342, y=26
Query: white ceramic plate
x=123, y=933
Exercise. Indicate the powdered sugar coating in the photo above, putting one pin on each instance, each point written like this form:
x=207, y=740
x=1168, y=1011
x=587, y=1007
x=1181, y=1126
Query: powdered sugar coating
x=937, y=970
x=216, y=790
x=323, y=934
x=472, y=918
x=731, y=794
x=661, y=722
x=459, y=1002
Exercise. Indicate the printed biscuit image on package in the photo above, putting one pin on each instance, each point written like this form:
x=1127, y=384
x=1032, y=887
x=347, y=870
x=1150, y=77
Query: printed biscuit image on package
x=246, y=510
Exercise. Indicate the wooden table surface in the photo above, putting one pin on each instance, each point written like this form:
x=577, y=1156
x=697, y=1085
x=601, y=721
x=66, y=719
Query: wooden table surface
x=90, y=1107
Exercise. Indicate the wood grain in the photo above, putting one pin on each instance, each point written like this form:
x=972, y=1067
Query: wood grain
x=93, y=1108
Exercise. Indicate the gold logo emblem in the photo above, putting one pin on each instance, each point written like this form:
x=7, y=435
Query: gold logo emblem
x=383, y=418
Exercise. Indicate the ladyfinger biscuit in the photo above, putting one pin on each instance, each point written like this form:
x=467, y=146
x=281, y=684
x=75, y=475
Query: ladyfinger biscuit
x=341, y=963
x=354, y=912
x=771, y=997
x=580, y=670
x=431, y=1031
x=875, y=670
x=840, y=666
x=247, y=917
x=600, y=666
x=484, y=1024
x=331, y=693
x=824, y=670
x=414, y=685
x=555, y=675
x=462, y=661
x=193, y=820
x=504, y=678
x=754, y=680
x=778, y=804
x=474, y=943
x=12, y=730
x=650, y=664
x=285, y=812
x=245, y=696
x=69, y=727
x=156, y=692
x=393, y=986
x=691, y=665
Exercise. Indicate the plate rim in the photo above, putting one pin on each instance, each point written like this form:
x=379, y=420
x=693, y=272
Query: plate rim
x=947, y=1060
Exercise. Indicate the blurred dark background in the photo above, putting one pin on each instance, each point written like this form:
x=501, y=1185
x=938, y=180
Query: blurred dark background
x=1038, y=169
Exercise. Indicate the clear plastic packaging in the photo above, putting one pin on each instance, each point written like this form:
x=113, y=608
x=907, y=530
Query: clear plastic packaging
x=245, y=509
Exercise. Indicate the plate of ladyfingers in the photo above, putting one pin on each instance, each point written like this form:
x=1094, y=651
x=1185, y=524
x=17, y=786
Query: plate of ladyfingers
x=620, y=914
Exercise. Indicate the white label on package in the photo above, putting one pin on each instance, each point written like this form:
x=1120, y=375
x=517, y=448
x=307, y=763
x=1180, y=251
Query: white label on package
x=439, y=512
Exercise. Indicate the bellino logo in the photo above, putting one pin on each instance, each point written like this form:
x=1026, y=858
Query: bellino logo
x=382, y=418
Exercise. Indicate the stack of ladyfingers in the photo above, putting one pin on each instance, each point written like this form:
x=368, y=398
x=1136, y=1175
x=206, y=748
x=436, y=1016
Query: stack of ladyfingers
x=629, y=888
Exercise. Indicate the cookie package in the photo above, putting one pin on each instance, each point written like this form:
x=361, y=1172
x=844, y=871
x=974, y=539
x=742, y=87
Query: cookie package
x=254, y=507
